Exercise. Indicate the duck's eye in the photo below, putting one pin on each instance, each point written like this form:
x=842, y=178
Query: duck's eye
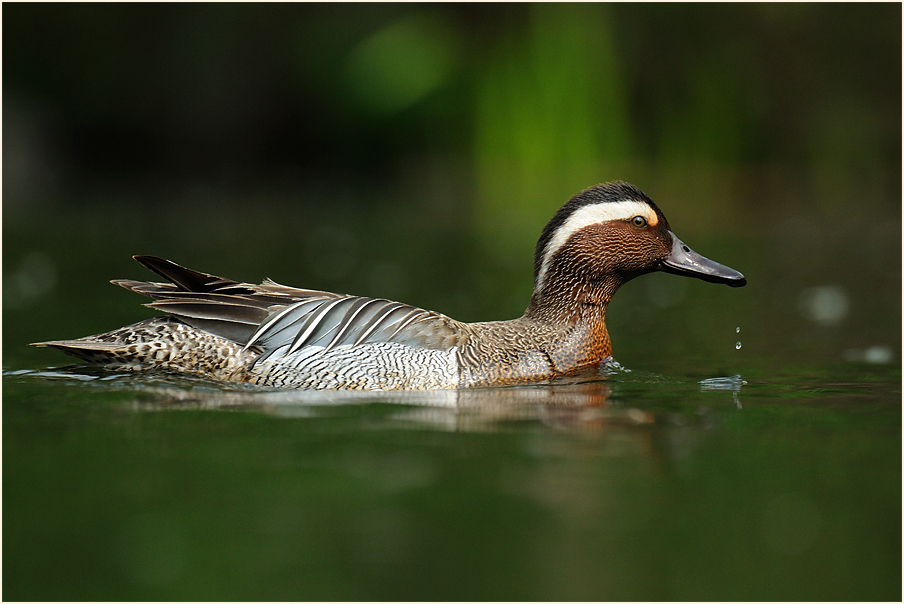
x=639, y=221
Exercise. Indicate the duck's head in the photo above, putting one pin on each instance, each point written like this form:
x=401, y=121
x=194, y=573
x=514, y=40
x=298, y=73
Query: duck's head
x=603, y=237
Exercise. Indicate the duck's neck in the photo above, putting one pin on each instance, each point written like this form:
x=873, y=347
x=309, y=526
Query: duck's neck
x=568, y=302
x=580, y=308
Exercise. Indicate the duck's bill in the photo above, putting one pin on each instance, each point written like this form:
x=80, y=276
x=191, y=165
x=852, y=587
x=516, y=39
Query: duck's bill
x=684, y=261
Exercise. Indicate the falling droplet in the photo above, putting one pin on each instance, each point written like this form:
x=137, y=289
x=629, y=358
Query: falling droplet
x=737, y=330
x=737, y=346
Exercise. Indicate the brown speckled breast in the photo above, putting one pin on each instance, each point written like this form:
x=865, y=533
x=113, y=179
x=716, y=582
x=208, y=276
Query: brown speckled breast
x=502, y=353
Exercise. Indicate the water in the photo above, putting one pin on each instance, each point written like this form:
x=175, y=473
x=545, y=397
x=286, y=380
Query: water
x=639, y=487
x=695, y=472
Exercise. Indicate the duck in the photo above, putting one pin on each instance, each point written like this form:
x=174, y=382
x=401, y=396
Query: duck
x=284, y=337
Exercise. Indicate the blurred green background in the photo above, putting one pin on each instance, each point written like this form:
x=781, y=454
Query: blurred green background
x=414, y=152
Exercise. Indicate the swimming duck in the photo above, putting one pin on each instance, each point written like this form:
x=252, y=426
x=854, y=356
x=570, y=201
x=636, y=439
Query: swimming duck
x=284, y=337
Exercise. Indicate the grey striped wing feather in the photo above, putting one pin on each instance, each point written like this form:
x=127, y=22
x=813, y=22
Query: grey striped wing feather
x=329, y=322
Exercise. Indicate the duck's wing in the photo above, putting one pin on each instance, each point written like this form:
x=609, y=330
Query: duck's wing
x=279, y=320
x=220, y=306
x=350, y=321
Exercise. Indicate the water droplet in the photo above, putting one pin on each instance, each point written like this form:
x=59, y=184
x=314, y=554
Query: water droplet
x=737, y=346
x=737, y=330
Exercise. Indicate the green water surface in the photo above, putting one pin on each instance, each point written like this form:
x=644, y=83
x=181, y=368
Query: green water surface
x=639, y=487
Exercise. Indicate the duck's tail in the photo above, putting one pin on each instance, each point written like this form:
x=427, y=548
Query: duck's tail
x=162, y=343
x=210, y=320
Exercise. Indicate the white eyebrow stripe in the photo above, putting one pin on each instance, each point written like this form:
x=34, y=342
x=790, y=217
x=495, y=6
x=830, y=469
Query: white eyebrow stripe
x=593, y=214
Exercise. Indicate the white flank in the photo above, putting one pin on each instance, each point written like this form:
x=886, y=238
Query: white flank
x=589, y=215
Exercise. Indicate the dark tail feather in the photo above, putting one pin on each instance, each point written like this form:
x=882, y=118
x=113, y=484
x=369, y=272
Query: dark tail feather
x=186, y=278
x=208, y=302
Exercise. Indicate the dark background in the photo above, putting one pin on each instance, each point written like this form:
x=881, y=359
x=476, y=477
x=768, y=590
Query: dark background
x=415, y=151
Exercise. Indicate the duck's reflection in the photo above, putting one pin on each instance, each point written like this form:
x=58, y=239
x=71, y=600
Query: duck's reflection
x=584, y=404
x=588, y=402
